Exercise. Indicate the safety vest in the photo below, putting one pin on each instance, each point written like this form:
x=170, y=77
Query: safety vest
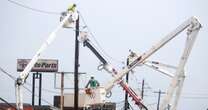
x=93, y=83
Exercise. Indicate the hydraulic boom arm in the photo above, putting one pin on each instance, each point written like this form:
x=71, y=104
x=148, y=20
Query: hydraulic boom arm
x=192, y=22
x=193, y=27
x=71, y=13
x=110, y=69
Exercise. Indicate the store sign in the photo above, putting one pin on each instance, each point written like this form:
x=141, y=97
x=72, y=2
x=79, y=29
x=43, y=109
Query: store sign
x=42, y=65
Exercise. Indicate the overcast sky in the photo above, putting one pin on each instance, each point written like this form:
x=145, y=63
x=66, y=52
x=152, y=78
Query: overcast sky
x=118, y=25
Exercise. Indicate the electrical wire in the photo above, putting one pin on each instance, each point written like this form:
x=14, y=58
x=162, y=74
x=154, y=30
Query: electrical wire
x=46, y=90
x=185, y=97
x=44, y=100
x=195, y=97
x=33, y=9
x=120, y=102
x=57, y=13
x=13, y=78
x=147, y=87
x=9, y=75
x=195, y=93
x=152, y=104
x=7, y=103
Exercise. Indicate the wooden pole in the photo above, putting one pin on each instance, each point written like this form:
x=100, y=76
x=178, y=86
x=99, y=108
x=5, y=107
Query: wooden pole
x=62, y=90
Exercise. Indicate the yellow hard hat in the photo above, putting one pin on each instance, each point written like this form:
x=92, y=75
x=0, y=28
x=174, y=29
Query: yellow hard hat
x=71, y=7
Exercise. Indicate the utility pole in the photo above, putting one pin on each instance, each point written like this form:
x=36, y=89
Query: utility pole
x=38, y=76
x=168, y=107
x=142, y=93
x=126, y=104
x=159, y=95
x=62, y=90
x=33, y=89
x=40, y=88
x=76, y=67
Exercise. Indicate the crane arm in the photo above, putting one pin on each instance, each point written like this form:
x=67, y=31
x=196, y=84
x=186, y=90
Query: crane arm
x=24, y=74
x=160, y=67
x=86, y=43
x=165, y=72
x=177, y=81
x=100, y=57
x=106, y=66
x=140, y=59
x=161, y=64
x=49, y=40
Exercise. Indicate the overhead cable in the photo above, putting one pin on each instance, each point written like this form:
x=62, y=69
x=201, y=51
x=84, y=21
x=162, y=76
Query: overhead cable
x=33, y=9
x=13, y=78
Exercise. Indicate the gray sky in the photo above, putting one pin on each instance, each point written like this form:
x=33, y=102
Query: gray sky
x=118, y=26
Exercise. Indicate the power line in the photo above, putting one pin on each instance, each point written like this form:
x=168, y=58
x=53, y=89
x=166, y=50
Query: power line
x=33, y=9
x=186, y=97
x=7, y=102
x=195, y=97
x=196, y=93
x=57, y=13
x=159, y=95
x=46, y=90
x=13, y=78
x=120, y=102
x=44, y=100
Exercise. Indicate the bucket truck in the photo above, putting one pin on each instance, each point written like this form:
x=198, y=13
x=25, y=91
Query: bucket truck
x=110, y=69
x=192, y=25
x=71, y=17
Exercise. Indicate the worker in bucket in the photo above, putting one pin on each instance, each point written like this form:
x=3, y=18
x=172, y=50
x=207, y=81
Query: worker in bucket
x=72, y=7
x=93, y=83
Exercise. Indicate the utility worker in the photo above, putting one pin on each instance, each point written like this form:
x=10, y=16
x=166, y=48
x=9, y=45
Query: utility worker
x=93, y=83
x=72, y=7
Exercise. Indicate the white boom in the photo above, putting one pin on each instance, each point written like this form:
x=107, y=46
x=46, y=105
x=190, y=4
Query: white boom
x=193, y=27
x=161, y=70
x=23, y=75
x=177, y=82
x=106, y=66
x=141, y=59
